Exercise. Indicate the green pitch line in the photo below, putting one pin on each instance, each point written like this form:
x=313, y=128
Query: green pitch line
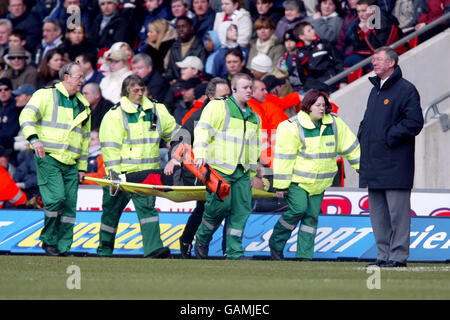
x=40, y=277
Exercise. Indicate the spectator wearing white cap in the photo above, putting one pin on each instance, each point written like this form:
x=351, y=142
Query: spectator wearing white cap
x=119, y=68
x=190, y=67
x=262, y=66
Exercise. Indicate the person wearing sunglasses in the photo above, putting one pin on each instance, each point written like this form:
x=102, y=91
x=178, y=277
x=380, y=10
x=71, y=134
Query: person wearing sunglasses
x=19, y=71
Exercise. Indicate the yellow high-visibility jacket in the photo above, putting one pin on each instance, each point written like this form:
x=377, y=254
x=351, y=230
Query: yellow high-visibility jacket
x=130, y=138
x=61, y=124
x=306, y=154
x=226, y=137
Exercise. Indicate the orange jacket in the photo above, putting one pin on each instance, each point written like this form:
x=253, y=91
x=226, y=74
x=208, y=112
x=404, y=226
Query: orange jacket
x=9, y=191
x=100, y=174
x=272, y=114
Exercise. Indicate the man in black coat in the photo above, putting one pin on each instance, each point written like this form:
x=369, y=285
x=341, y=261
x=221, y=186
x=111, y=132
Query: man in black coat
x=110, y=25
x=387, y=137
x=187, y=40
x=157, y=85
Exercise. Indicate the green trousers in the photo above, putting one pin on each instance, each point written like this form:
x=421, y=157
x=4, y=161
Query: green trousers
x=147, y=215
x=58, y=185
x=301, y=207
x=236, y=208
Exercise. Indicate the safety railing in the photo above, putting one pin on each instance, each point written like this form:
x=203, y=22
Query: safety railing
x=443, y=117
x=403, y=40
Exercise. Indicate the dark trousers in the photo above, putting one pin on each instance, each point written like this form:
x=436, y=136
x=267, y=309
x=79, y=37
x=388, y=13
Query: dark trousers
x=390, y=215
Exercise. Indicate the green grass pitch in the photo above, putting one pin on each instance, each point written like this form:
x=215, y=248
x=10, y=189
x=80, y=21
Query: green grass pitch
x=40, y=277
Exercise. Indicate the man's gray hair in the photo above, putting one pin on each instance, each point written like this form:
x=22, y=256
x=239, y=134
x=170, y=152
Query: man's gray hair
x=129, y=81
x=7, y=23
x=66, y=69
x=212, y=86
x=142, y=57
x=391, y=54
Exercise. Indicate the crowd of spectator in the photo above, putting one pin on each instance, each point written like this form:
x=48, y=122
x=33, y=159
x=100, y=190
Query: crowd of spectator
x=177, y=46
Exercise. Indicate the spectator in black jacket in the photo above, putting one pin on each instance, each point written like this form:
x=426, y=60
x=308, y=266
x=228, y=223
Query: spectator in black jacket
x=88, y=64
x=109, y=26
x=51, y=39
x=9, y=116
x=187, y=42
x=204, y=17
x=99, y=105
x=25, y=21
x=157, y=85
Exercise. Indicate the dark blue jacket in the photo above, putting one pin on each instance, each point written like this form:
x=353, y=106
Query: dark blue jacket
x=9, y=123
x=387, y=134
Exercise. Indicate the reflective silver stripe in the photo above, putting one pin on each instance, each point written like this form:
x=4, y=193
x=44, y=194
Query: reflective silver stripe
x=65, y=219
x=208, y=225
x=335, y=131
x=86, y=135
x=158, y=121
x=285, y=156
x=55, y=106
x=308, y=229
x=35, y=110
x=234, y=232
x=354, y=161
x=253, y=167
x=84, y=157
x=282, y=176
x=149, y=220
x=63, y=126
x=226, y=121
x=237, y=140
x=141, y=161
x=28, y=124
x=17, y=197
x=112, y=163
x=285, y=224
x=52, y=214
x=60, y=146
x=74, y=150
x=106, y=228
x=141, y=141
x=200, y=145
x=221, y=164
x=351, y=148
x=314, y=175
x=125, y=122
x=111, y=145
x=206, y=126
x=317, y=155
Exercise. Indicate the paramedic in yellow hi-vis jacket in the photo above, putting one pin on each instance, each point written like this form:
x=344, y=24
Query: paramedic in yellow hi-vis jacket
x=130, y=135
x=227, y=139
x=57, y=123
x=307, y=145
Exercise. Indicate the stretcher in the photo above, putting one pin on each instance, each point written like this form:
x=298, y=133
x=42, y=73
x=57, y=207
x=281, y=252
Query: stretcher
x=173, y=193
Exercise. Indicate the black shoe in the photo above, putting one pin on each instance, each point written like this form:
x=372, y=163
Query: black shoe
x=377, y=263
x=160, y=253
x=393, y=264
x=50, y=250
x=201, y=250
x=275, y=254
x=66, y=254
x=185, y=250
